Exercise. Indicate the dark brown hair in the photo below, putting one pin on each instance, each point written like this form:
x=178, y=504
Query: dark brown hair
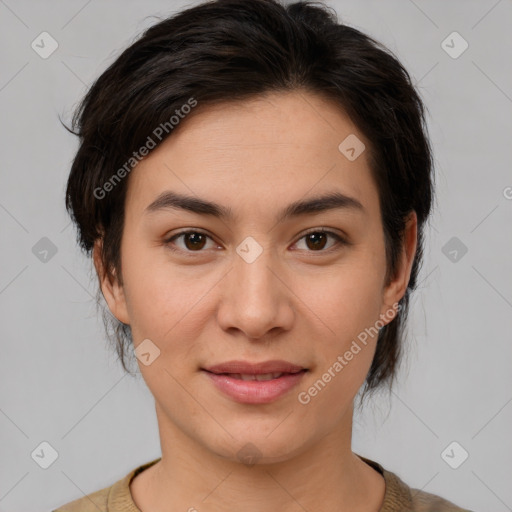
x=230, y=50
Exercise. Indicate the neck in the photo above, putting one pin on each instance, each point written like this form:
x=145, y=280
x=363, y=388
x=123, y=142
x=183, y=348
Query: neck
x=190, y=477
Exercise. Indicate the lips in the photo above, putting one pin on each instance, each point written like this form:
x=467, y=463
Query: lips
x=242, y=369
x=259, y=377
x=255, y=383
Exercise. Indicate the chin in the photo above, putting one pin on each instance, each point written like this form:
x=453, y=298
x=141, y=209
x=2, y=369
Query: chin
x=258, y=447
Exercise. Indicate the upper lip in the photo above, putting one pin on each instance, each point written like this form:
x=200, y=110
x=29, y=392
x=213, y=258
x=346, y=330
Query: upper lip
x=247, y=368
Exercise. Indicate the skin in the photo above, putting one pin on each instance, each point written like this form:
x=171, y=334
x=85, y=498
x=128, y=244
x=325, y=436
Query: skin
x=295, y=302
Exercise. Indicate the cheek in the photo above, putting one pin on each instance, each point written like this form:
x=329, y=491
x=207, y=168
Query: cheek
x=160, y=298
x=350, y=298
x=166, y=302
x=349, y=307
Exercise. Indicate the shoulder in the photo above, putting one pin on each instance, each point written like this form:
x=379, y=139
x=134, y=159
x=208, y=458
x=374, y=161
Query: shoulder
x=115, y=498
x=415, y=500
x=425, y=502
x=91, y=503
x=399, y=497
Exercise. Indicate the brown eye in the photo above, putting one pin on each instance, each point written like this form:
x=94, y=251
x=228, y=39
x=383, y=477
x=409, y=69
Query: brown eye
x=196, y=241
x=316, y=241
x=193, y=241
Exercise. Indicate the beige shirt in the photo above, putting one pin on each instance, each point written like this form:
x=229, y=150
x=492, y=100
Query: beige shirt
x=398, y=496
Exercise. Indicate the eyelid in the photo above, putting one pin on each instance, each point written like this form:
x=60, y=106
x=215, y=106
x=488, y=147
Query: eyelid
x=168, y=240
x=328, y=231
x=340, y=239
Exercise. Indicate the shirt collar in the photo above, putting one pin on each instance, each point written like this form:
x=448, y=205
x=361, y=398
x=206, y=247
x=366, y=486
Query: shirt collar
x=397, y=495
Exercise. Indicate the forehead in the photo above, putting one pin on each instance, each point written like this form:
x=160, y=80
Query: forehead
x=282, y=145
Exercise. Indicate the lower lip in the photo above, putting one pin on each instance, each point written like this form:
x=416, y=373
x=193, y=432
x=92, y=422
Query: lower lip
x=253, y=391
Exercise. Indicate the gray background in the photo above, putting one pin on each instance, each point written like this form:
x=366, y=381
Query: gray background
x=61, y=384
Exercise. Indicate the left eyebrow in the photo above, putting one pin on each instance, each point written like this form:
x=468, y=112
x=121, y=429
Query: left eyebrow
x=334, y=200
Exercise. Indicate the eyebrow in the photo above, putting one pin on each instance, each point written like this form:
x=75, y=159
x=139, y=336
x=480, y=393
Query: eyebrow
x=334, y=200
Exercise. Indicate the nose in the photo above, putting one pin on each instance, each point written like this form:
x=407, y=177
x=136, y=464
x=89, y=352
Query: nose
x=255, y=298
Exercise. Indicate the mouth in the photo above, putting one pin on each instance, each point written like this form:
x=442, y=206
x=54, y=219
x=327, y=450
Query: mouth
x=247, y=368
x=255, y=383
x=261, y=377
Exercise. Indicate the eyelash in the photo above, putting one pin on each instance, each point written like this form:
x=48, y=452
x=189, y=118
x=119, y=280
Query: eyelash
x=339, y=239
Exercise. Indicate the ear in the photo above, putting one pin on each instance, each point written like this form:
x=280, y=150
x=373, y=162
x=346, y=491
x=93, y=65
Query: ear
x=112, y=290
x=396, y=288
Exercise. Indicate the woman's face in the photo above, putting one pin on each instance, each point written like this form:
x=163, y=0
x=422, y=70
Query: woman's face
x=252, y=285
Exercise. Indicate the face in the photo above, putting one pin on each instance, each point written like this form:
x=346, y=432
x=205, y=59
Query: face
x=242, y=281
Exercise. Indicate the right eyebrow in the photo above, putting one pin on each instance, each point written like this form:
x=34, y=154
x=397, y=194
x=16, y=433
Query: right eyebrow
x=334, y=200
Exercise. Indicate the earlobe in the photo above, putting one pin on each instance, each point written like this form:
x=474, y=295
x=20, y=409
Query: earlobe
x=396, y=289
x=112, y=290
